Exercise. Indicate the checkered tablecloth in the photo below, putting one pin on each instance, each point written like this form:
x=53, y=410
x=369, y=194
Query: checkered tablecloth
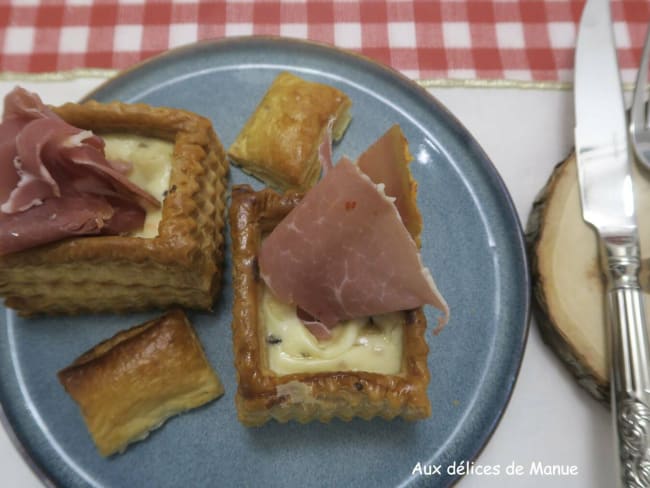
x=468, y=39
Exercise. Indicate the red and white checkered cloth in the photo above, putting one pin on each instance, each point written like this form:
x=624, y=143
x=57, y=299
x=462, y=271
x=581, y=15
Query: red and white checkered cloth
x=469, y=39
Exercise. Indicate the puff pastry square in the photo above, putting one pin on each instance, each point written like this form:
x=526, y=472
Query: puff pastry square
x=180, y=266
x=263, y=395
x=279, y=143
x=133, y=382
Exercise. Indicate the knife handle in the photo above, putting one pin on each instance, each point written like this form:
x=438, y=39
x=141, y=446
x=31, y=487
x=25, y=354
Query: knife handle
x=630, y=360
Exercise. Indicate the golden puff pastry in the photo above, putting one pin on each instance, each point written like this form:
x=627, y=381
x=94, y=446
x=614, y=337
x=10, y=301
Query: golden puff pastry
x=280, y=142
x=131, y=383
x=262, y=394
x=179, y=265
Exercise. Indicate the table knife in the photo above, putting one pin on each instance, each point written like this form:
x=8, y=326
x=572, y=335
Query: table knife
x=607, y=198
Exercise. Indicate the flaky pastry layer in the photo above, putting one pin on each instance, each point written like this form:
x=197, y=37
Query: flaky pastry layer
x=263, y=395
x=280, y=141
x=131, y=383
x=180, y=266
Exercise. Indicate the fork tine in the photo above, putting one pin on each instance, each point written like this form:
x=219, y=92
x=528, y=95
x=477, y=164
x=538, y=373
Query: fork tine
x=640, y=116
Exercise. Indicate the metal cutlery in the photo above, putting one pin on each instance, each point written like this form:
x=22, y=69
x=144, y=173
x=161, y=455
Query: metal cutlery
x=602, y=150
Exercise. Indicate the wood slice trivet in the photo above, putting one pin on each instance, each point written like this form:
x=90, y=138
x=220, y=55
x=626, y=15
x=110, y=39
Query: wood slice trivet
x=568, y=287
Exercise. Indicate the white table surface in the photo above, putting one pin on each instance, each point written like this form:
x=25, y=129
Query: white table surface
x=549, y=419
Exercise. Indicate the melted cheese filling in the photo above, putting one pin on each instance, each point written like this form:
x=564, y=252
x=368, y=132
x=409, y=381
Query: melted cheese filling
x=372, y=344
x=151, y=159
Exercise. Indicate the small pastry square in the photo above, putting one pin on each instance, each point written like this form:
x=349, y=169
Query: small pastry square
x=176, y=261
x=264, y=393
x=131, y=383
x=280, y=142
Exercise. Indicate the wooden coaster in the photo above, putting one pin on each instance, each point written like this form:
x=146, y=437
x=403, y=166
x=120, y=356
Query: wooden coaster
x=568, y=287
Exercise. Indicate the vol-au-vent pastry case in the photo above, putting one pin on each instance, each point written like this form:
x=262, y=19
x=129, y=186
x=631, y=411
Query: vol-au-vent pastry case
x=175, y=259
x=304, y=393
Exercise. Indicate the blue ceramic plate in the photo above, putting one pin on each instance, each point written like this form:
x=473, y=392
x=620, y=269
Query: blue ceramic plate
x=472, y=243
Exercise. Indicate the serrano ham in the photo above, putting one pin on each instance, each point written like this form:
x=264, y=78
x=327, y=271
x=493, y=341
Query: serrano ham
x=54, y=219
x=54, y=171
x=345, y=253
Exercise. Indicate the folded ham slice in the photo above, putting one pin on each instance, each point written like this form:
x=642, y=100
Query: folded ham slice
x=54, y=219
x=52, y=171
x=345, y=253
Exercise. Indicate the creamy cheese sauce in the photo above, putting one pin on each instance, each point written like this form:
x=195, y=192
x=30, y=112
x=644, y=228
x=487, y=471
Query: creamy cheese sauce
x=152, y=162
x=372, y=344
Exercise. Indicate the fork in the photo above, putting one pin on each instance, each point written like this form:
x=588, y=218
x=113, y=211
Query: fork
x=639, y=113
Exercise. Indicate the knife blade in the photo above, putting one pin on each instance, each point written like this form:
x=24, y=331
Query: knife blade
x=601, y=134
x=607, y=198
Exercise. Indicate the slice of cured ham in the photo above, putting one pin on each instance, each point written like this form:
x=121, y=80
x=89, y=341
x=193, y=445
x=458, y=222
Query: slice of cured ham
x=21, y=104
x=44, y=159
x=344, y=253
x=55, y=219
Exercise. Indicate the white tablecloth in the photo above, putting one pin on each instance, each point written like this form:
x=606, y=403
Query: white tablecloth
x=549, y=419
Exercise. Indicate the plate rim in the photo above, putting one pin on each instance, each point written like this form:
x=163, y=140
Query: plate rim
x=517, y=355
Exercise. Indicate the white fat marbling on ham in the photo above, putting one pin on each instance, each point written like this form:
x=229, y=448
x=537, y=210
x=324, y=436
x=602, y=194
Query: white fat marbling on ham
x=46, y=166
x=344, y=253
